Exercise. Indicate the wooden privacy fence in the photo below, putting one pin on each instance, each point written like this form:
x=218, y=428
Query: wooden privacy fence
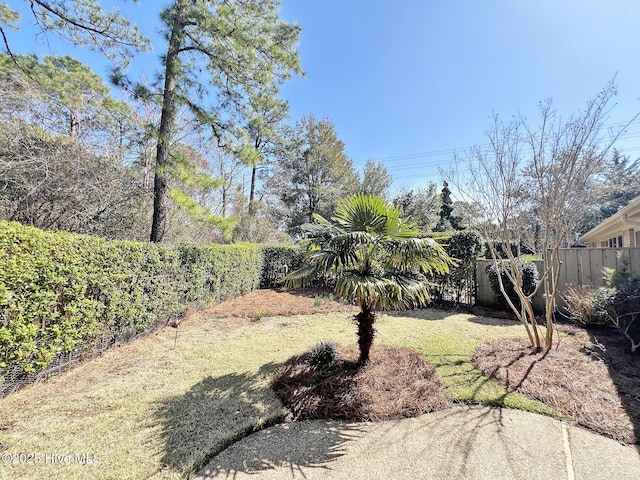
x=584, y=266
x=579, y=266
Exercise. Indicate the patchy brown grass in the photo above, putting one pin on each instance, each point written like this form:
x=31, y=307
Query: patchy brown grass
x=571, y=378
x=397, y=382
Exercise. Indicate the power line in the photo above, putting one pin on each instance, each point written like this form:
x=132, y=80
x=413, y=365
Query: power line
x=451, y=151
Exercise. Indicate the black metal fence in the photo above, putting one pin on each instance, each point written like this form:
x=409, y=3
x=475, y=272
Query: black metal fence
x=16, y=378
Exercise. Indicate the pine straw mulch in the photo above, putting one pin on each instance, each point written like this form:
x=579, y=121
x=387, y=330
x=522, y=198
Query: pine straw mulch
x=279, y=302
x=397, y=382
x=574, y=377
x=239, y=311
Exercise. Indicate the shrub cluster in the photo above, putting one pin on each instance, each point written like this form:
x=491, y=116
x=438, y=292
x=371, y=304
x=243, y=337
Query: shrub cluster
x=219, y=272
x=323, y=354
x=588, y=306
x=530, y=278
x=60, y=292
x=278, y=261
x=617, y=303
x=625, y=311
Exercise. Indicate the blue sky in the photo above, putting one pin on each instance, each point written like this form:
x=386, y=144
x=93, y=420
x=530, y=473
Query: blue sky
x=408, y=82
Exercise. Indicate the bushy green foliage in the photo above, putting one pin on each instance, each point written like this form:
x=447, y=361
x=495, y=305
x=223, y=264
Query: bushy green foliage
x=602, y=301
x=218, y=272
x=61, y=291
x=464, y=247
x=278, y=261
x=323, y=354
x=618, y=303
x=588, y=306
x=624, y=309
x=530, y=278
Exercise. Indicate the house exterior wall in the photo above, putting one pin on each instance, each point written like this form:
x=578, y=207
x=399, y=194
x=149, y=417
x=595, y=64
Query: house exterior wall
x=618, y=231
x=629, y=238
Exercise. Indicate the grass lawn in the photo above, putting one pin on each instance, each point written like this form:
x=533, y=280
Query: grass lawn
x=147, y=410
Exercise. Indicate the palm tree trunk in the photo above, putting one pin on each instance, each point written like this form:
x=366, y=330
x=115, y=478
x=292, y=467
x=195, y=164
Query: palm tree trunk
x=366, y=332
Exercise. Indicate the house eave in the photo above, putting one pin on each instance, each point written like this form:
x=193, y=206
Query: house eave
x=629, y=216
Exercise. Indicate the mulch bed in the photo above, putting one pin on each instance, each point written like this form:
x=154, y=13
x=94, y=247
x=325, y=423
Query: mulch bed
x=396, y=383
x=278, y=302
x=596, y=385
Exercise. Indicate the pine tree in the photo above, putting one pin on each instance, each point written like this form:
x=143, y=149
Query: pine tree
x=245, y=48
x=79, y=22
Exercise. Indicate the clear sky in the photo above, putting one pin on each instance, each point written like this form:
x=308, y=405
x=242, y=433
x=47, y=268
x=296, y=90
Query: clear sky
x=408, y=82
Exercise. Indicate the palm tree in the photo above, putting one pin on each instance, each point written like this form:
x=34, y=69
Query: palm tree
x=375, y=257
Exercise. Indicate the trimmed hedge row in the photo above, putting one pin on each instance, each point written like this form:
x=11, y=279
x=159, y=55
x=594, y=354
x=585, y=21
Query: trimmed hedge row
x=59, y=292
x=278, y=261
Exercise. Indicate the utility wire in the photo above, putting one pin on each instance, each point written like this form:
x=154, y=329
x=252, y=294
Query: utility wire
x=451, y=151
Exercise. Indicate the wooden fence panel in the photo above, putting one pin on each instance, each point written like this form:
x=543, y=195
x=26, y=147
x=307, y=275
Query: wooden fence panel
x=484, y=293
x=596, y=259
x=634, y=260
x=609, y=260
x=585, y=266
x=580, y=266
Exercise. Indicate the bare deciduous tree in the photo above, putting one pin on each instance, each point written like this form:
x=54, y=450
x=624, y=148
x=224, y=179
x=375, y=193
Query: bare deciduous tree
x=531, y=183
x=52, y=182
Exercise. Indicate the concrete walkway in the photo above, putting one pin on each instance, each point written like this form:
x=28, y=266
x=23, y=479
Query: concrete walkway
x=463, y=442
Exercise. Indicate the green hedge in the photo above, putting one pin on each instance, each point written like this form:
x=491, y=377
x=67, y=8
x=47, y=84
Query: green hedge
x=218, y=272
x=59, y=292
x=278, y=260
x=530, y=279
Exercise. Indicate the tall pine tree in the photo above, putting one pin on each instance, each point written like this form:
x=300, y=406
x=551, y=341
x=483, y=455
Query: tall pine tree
x=246, y=50
x=79, y=22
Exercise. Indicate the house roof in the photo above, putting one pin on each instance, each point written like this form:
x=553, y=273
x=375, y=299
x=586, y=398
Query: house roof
x=628, y=217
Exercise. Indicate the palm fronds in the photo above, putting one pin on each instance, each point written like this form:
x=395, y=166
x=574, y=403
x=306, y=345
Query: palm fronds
x=374, y=254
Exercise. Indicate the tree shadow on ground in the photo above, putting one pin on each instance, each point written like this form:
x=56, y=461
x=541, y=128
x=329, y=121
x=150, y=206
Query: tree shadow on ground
x=624, y=369
x=217, y=412
x=213, y=414
x=469, y=430
x=280, y=446
x=434, y=314
x=494, y=322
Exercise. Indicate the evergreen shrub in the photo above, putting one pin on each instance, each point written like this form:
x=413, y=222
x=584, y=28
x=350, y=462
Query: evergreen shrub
x=61, y=292
x=278, y=261
x=530, y=279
